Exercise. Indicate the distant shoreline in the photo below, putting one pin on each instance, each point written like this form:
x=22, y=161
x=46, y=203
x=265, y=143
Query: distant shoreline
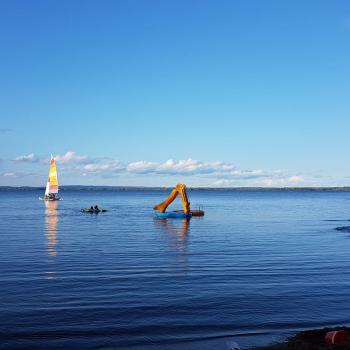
x=151, y=188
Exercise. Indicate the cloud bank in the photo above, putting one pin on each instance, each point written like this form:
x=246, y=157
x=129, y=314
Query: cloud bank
x=107, y=170
x=210, y=173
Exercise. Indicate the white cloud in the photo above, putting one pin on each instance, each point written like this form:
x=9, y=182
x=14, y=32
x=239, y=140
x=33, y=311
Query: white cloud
x=286, y=181
x=9, y=175
x=30, y=158
x=182, y=166
x=224, y=183
x=296, y=179
x=175, y=167
x=69, y=157
x=191, y=171
x=141, y=166
x=216, y=172
x=259, y=178
x=109, y=167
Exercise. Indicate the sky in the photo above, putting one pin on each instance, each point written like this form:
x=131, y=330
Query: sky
x=152, y=93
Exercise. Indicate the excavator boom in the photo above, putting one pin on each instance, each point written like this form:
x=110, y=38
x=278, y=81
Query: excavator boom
x=179, y=189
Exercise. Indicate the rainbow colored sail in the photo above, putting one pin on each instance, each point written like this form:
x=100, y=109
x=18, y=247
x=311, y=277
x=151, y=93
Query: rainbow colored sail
x=52, y=181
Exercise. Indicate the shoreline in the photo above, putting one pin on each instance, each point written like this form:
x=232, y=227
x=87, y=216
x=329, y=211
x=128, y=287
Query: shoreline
x=313, y=339
x=278, y=346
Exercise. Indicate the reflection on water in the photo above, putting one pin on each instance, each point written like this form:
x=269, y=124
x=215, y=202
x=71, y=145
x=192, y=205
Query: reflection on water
x=177, y=232
x=51, y=220
x=260, y=266
x=172, y=227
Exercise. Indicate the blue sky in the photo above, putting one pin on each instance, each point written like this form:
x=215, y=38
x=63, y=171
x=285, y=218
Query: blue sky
x=211, y=93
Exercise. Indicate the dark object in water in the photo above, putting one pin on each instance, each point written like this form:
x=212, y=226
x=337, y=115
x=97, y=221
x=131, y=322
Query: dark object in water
x=337, y=337
x=343, y=228
x=94, y=211
x=315, y=340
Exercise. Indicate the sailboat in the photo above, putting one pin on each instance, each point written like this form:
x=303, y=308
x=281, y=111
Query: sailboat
x=51, y=190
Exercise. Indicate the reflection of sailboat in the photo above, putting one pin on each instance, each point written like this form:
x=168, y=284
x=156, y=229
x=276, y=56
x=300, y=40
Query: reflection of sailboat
x=51, y=190
x=51, y=220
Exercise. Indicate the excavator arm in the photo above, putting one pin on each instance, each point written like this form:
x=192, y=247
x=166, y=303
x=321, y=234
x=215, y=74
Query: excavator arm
x=179, y=189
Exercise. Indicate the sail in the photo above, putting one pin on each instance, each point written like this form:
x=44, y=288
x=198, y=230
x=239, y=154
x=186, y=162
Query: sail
x=52, y=181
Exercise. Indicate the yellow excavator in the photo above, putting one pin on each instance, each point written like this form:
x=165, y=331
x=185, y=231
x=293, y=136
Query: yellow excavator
x=185, y=213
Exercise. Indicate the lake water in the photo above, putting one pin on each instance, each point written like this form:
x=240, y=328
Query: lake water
x=256, y=268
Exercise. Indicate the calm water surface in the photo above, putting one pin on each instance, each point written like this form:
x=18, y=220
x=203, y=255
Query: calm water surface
x=256, y=268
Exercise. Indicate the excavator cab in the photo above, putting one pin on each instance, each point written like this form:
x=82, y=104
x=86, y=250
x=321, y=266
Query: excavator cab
x=186, y=212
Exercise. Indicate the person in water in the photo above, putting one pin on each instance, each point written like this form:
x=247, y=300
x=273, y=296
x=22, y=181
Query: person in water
x=94, y=209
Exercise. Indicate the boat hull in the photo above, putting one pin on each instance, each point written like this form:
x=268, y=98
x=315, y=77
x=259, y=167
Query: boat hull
x=49, y=199
x=180, y=214
x=173, y=215
x=93, y=211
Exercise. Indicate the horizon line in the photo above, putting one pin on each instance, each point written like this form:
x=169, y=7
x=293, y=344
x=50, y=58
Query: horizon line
x=189, y=187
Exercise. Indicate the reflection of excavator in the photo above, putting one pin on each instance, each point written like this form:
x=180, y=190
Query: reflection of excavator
x=186, y=212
